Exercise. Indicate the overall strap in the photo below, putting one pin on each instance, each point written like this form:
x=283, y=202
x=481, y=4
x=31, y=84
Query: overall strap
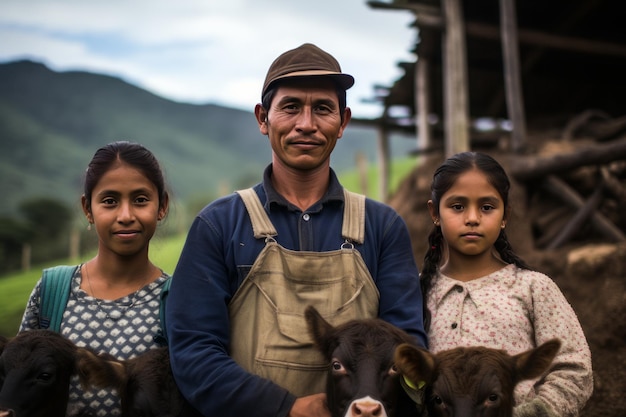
x=55, y=291
x=353, y=228
x=261, y=224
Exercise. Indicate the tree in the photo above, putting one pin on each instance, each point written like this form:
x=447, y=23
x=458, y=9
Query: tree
x=13, y=236
x=47, y=217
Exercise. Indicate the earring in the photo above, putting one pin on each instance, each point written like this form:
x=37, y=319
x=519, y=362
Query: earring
x=89, y=226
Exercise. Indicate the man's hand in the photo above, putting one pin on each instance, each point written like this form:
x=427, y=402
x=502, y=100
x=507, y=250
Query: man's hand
x=310, y=406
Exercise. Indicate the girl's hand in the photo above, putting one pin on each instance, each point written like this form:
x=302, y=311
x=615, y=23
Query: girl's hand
x=534, y=408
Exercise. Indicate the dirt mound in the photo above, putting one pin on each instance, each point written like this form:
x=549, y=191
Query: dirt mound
x=590, y=272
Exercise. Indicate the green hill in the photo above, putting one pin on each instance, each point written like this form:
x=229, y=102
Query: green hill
x=51, y=123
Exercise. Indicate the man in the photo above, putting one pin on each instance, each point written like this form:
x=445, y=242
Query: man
x=255, y=259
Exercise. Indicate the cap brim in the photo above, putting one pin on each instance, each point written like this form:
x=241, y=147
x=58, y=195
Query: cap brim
x=345, y=81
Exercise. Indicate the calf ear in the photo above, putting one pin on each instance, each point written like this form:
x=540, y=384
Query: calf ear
x=99, y=371
x=415, y=363
x=319, y=330
x=534, y=362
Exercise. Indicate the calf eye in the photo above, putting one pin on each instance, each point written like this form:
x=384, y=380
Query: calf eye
x=493, y=397
x=337, y=366
x=437, y=400
x=393, y=370
x=44, y=376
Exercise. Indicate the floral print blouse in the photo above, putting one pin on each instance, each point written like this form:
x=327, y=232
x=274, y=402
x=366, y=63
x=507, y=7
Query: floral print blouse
x=516, y=309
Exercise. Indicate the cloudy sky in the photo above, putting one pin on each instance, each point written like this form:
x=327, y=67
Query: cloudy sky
x=207, y=51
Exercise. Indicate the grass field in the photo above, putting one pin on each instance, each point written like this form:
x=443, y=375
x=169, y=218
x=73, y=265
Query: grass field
x=164, y=252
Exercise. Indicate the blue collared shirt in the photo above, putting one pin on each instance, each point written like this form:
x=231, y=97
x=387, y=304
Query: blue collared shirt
x=220, y=250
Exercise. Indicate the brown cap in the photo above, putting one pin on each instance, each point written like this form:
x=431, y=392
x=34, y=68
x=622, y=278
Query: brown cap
x=307, y=60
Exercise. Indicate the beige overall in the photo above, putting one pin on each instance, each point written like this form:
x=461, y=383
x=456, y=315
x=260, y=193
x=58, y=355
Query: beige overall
x=269, y=334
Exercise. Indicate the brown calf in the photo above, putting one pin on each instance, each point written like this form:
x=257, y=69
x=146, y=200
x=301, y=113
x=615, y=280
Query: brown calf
x=35, y=371
x=362, y=379
x=472, y=381
x=145, y=384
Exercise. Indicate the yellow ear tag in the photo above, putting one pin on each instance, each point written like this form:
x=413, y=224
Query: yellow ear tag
x=411, y=385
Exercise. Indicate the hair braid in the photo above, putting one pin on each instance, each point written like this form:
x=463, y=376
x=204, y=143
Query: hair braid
x=429, y=270
x=506, y=252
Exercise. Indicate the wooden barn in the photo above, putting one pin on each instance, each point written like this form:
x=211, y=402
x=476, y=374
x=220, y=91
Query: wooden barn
x=496, y=72
x=539, y=86
x=513, y=76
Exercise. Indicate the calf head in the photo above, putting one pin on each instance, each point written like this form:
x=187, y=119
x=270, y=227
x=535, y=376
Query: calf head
x=472, y=381
x=145, y=384
x=35, y=371
x=362, y=379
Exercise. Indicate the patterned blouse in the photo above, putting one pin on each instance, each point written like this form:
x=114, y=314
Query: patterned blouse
x=123, y=328
x=516, y=310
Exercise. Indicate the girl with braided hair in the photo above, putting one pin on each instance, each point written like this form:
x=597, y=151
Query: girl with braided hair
x=478, y=292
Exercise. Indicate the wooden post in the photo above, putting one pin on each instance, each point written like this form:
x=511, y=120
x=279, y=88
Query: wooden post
x=223, y=188
x=383, y=158
x=422, y=100
x=26, y=256
x=361, y=164
x=456, y=113
x=74, y=252
x=512, y=78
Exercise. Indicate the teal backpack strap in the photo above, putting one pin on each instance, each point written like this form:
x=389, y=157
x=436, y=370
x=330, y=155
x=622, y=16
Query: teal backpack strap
x=54, y=293
x=161, y=336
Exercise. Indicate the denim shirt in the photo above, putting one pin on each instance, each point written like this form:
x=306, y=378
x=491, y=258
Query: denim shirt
x=220, y=250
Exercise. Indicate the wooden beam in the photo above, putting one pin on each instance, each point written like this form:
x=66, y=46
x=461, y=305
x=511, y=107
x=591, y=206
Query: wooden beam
x=361, y=164
x=531, y=58
x=422, y=103
x=383, y=165
x=576, y=222
x=456, y=108
x=529, y=37
x=559, y=188
x=415, y=7
x=547, y=40
x=614, y=186
x=512, y=78
x=533, y=168
x=383, y=159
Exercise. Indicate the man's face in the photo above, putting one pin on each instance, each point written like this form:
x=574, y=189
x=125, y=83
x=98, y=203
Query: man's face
x=303, y=124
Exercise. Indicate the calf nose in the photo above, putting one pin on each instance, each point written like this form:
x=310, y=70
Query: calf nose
x=6, y=413
x=367, y=407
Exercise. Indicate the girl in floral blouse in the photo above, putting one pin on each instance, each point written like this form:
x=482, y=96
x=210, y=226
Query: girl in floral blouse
x=478, y=292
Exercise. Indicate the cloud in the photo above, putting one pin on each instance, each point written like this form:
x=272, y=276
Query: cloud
x=206, y=51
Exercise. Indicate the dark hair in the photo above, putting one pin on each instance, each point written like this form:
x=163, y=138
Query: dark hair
x=133, y=154
x=266, y=100
x=443, y=179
